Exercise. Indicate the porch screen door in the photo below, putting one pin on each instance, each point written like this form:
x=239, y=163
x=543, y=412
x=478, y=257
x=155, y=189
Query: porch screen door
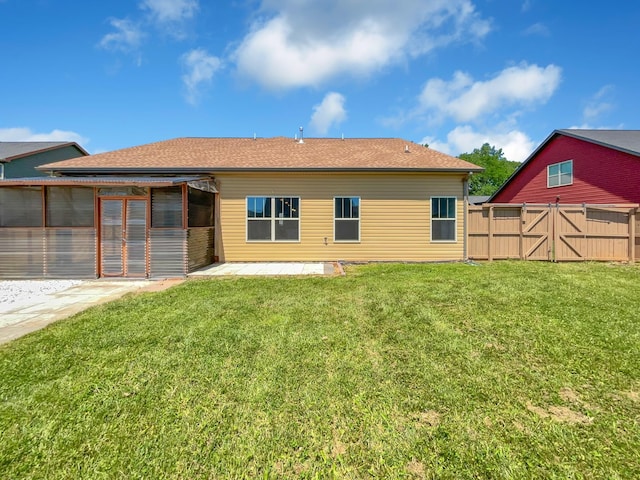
x=123, y=237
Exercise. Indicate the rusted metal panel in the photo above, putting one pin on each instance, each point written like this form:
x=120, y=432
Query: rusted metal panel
x=167, y=252
x=200, y=247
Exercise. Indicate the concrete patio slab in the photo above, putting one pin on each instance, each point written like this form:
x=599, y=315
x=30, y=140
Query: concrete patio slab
x=270, y=268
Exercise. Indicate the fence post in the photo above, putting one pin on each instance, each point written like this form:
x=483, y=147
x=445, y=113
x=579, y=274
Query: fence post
x=490, y=234
x=632, y=235
x=554, y=231
x=523, y=210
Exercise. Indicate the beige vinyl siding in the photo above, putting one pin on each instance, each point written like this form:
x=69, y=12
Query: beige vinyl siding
x=394, y=216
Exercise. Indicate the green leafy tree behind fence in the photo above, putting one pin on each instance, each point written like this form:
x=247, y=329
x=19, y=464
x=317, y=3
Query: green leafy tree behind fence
x=497, y=169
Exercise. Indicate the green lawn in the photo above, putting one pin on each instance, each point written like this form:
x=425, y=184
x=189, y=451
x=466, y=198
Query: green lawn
x=503, y=370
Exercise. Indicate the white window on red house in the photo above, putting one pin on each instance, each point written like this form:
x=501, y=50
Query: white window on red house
x=560, y=174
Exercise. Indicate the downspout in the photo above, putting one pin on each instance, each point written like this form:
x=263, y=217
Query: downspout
x=465, y=195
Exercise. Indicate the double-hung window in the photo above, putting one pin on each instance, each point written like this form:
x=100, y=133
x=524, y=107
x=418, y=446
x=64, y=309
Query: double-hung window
x=443, y=219
x=273, y=219
x=346, y=223
x=560, y=174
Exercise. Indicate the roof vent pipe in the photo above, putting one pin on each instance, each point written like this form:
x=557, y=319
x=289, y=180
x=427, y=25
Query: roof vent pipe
x=406, y=149
x=301, y=135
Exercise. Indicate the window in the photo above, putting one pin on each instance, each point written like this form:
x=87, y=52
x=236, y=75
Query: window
x=69, y=206
x=273, y=219
x=346, y=224
x=443, y=219
x=21, y=207
x=560, y=174
x=166, y=207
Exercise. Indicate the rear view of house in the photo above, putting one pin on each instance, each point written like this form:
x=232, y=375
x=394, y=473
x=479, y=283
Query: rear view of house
x=167, y=208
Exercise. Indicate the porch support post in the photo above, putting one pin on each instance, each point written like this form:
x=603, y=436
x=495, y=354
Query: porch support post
x=218, y=248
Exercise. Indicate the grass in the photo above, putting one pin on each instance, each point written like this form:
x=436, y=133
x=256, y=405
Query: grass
x=504, y=370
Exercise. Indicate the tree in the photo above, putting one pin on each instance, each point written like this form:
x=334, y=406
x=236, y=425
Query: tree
x=497, y=169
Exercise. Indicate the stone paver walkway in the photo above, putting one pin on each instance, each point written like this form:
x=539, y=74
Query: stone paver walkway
x=27, y=317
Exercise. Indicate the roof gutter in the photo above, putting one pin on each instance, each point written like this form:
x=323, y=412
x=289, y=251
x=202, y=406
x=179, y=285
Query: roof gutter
x=212, y=171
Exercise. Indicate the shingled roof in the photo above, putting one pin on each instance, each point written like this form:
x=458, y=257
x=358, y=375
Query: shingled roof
x=210, y=155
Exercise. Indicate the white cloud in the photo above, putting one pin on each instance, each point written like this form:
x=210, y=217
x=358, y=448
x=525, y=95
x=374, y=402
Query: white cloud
x=170, y=16
x=598, y=104
x=537, y=29
x=516, y=145
x=302, y=43
x=127, y=37
x=465, y=100
x=328, y=113
x=200, y=68
x=24, y=134
x=166, y=11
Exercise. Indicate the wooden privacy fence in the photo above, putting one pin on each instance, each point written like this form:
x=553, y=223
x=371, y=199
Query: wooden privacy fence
x=553, y=232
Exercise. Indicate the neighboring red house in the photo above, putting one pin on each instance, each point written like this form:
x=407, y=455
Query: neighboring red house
x=578, y=166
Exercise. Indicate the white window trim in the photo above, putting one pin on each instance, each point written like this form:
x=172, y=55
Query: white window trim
x=559, y=175
x=273, y=219
x=455, y=219
x=359, y=219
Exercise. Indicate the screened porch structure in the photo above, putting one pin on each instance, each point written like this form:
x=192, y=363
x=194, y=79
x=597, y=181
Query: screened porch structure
x=88, y=227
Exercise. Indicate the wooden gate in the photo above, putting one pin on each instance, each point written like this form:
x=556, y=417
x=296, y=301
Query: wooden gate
x=536, y=233
x=553, y=232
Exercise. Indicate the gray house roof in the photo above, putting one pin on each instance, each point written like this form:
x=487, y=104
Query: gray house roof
x=13, y=150
x=625, y=140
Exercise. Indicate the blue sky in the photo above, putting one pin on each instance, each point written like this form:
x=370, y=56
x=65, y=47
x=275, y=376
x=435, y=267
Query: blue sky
x=451, y=73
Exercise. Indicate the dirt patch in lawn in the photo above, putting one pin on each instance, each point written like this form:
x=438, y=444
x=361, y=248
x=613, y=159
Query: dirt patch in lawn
x=631, y=395
x=569, y=395
x=416, y=469
x=428, y=418
x=338, y=448
x=560, y=414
